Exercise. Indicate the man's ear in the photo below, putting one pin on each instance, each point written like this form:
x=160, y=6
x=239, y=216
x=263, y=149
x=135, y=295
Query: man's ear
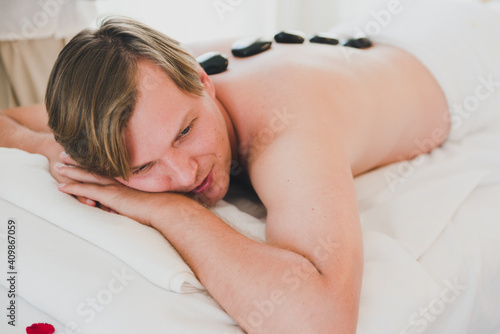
x=207, y=83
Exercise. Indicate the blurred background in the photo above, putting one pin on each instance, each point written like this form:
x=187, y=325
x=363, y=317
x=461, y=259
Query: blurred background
x=194, y=20
x=32, y=32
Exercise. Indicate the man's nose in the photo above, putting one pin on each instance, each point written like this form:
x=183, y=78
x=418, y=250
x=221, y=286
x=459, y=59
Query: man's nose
x=183, y=170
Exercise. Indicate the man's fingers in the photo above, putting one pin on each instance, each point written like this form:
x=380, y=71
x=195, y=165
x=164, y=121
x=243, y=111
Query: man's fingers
x=81, y=175
x=102, y=195
x=105, y=208
x=66, y=159
x=115, y=198
x=86, y=201
x=61, y=179
x=81, y=191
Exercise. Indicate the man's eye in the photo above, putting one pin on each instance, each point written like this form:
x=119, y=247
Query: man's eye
x=140, y=170
x=188, y=129
x=185, y=131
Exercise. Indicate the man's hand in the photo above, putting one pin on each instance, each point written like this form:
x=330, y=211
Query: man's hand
x=109, y=194
x=56, y=155
x=25, y=128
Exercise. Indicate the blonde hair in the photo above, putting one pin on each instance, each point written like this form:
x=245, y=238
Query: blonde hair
x=92, y=89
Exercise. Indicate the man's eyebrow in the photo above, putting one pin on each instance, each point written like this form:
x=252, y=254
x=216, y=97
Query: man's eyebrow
x=181, y=128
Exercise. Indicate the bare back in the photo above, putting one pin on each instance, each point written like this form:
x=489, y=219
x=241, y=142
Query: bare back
x=382, y=101
x=306, y=118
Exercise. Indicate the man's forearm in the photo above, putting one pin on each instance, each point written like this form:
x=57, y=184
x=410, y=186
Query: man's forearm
x=33, y=117
x=15, y=135
x=264, y=288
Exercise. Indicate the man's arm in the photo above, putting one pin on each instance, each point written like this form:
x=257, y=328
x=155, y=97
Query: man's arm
x=26, y=128
x=33, y=117
x=306, y=278
x=304, y=179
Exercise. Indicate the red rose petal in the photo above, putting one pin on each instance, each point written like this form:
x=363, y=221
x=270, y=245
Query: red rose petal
x=40, y=329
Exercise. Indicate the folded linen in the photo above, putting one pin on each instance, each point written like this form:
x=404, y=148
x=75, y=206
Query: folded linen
x=406, y=213
x=26, y=182
x=85, y=289
x=391, y=208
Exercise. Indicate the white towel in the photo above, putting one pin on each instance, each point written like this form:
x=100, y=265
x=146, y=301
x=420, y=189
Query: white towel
x=394, y=210
x=26, y=182
x=405, y=228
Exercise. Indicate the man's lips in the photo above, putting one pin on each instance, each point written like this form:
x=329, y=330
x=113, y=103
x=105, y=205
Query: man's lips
x=205, y=184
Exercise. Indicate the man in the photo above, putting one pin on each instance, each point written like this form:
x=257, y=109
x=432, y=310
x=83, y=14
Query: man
x=297, y=122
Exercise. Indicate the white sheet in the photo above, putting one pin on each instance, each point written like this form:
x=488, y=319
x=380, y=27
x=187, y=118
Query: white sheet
x=27, y=183
x=65, y=275
x=454, y=47
x=431, y=230
x=434, y=234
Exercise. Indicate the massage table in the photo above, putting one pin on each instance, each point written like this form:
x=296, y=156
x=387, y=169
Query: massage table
x=431, y=234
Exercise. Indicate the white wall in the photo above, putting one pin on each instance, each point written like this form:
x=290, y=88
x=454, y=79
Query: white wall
x=191, y=20
x=309, y=16
x=197, y=20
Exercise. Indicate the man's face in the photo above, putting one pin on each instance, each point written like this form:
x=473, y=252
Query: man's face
x=176, y=142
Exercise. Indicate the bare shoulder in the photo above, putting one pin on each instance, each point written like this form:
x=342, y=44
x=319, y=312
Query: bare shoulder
x=304, y=179
x=268, y=95
x=368, y=98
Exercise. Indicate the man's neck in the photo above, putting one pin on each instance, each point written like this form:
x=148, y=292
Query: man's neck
x=233, y=137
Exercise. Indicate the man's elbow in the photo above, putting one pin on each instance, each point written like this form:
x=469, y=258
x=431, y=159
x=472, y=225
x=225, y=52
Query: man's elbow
x=337, y=310
x=326, y=316
x=337, y=306
x=313, y=308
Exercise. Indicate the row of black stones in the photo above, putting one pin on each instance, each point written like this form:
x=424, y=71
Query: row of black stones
x=216, y=62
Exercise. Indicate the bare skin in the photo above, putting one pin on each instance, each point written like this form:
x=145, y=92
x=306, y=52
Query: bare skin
x=298, y=122
x=26, y=128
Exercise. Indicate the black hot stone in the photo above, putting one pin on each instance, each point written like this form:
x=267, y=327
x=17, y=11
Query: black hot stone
x=358, y=43
x=289, y=37
x=247, y=48
x=213, y=62
x=324, y=39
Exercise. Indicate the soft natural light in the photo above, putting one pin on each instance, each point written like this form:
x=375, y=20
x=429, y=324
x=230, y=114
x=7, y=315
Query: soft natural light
x=199, y=20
